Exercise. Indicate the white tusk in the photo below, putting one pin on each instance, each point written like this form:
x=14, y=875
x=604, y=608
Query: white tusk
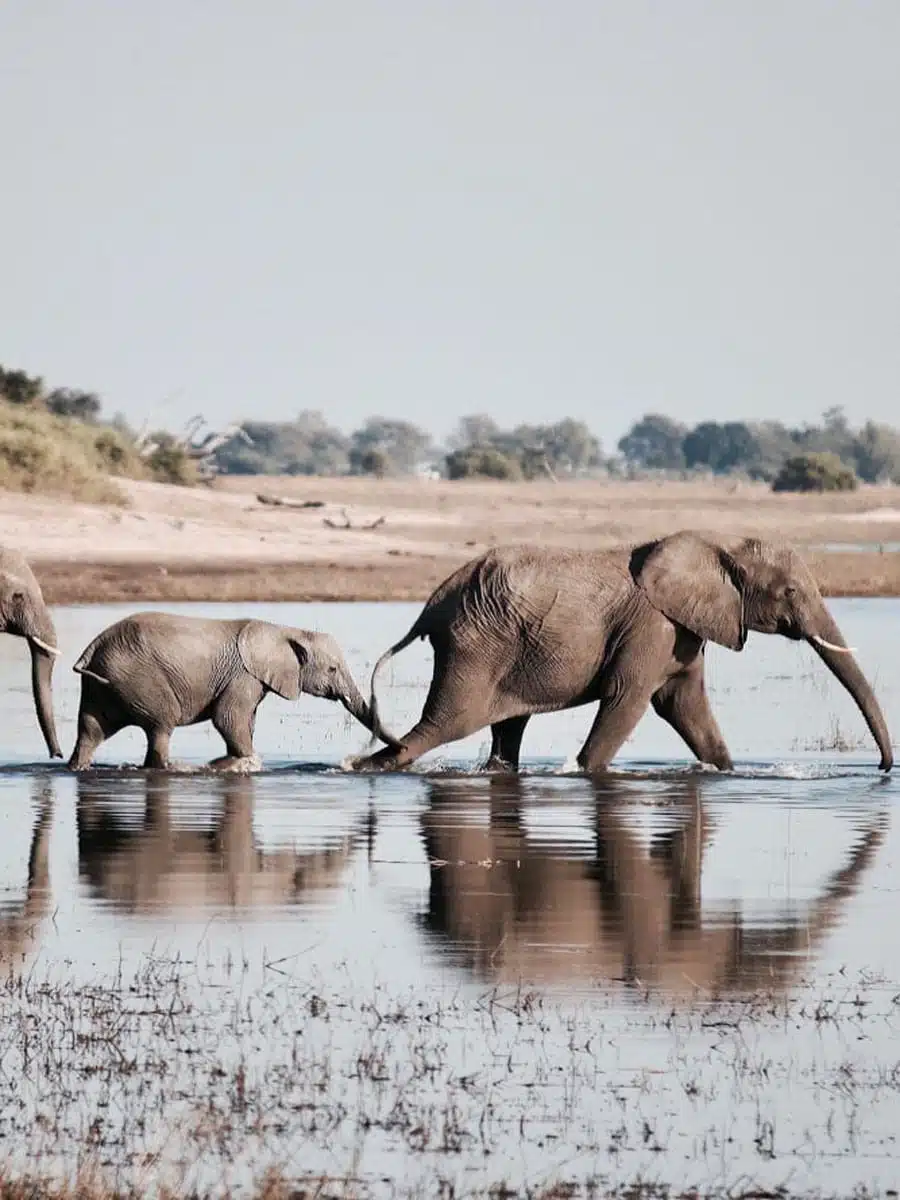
x=820, y=641
x=45, y=646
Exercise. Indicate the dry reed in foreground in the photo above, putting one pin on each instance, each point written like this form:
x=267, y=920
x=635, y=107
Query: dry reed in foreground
x=215, y=1076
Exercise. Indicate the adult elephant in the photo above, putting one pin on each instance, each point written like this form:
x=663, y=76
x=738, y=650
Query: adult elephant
x=23, y=613
x=161, y=670
x=525, y=630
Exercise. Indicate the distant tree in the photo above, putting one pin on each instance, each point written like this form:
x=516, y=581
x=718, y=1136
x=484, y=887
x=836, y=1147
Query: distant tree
x=654, y=443
x=475, y=430
x=305, y=446
x=71, y=402
x=816, y=472
x=722, y=448
x=833, y=436
x=486, y=462
x=876, y=453
x=402, y=444
x=17, y=387
x=370, y=462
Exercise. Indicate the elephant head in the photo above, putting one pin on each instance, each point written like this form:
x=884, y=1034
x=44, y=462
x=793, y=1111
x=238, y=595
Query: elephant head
x=721, y=591
x=290, y=661
x=24, y=614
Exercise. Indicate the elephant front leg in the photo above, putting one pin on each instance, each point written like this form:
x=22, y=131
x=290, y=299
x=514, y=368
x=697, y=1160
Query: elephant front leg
x=506, y=742
x=683, y=703
x=235, y=720
x=621, y=708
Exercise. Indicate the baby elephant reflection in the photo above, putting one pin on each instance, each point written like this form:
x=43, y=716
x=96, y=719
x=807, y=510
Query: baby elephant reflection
x=623, y=911
x=158, y=862
x=20, y=921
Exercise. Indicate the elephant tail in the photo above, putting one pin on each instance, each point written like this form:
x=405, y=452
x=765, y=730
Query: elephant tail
x=377, y=728
x=83, y=666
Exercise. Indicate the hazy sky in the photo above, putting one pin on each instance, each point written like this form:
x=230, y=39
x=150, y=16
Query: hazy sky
x=427, y=209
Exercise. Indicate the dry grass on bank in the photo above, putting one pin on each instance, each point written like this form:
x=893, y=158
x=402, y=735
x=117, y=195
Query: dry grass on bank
x=54, y=456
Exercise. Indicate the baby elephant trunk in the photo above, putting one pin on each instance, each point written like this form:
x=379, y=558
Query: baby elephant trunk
x=351, y=698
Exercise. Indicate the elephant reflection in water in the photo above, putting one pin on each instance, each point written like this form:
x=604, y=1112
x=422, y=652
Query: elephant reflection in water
x=21, y=921
x=156, y=863
x=625, y=913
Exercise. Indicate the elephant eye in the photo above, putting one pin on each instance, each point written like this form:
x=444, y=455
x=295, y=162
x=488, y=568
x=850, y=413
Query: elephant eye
x=18, y=597
x=789, y=592
x=332, y=670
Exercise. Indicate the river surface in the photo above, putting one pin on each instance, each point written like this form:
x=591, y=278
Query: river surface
x=442, y=979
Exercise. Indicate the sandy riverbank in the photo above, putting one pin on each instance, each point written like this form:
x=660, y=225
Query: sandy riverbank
x=391, y=540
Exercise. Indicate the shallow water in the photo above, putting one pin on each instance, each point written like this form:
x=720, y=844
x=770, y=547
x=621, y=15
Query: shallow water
x=671, y=974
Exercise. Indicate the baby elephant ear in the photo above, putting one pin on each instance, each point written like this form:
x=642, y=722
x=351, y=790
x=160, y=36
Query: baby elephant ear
x=270, y=656
x=696, y=584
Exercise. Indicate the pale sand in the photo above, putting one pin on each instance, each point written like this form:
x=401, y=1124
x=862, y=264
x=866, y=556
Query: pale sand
x=426, y=528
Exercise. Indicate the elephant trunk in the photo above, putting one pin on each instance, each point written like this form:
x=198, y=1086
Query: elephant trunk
x=42, y=662
x=352, y=700
x=828, y=642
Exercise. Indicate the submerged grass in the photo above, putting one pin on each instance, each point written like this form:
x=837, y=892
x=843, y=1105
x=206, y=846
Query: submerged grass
x=215, y=1078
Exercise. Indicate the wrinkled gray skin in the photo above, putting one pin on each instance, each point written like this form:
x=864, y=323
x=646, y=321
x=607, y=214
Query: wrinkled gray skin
x=160, y=670
x=526, y=630
x=23, y=613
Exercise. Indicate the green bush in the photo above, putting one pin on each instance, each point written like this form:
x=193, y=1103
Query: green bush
x=822, y=472
x=170, y=463
x=485, y=462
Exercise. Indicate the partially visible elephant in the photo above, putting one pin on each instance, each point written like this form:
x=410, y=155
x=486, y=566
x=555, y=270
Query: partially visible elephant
x=160, y=670
x=158, y=862
x=617, y=910
x=24, y=614
x=525, y=630
x=20, y=922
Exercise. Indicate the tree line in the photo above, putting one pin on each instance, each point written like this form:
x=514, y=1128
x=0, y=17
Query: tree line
x=830, y=454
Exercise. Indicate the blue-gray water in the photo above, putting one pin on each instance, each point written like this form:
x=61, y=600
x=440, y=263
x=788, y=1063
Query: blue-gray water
x=672, y=975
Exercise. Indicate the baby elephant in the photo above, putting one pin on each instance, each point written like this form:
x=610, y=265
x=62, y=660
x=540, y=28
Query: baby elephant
x=158, y=670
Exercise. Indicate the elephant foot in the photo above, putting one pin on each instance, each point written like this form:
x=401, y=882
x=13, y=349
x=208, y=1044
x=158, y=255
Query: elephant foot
x=372, y=763
x=499, y=766
x=228, y=764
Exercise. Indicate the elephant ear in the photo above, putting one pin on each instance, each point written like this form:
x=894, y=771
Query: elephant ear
x=272, y=657
x=695, y=583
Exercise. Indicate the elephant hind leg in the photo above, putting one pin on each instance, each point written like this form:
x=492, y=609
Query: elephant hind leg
x=425, y=735
x=683, y=703
x=506, y=742
x=93, y=729
x=448, y=724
